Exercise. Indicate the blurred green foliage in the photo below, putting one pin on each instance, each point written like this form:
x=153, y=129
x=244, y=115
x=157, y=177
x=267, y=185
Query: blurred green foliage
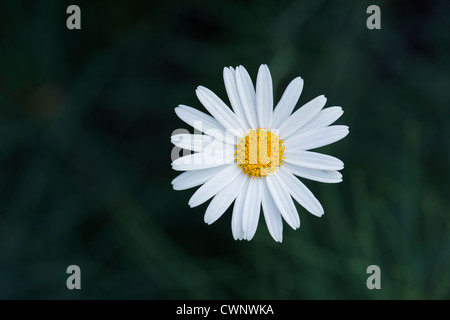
x=85, y=121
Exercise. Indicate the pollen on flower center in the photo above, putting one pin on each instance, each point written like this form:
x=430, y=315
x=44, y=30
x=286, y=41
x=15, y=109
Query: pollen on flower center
x=259, y=153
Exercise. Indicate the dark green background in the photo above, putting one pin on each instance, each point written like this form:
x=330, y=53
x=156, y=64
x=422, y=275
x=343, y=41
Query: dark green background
x=85, y=124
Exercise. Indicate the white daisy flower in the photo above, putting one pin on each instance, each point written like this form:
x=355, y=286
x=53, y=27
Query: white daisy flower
x=252, y=154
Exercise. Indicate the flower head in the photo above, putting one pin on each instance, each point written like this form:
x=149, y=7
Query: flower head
x=251, y=155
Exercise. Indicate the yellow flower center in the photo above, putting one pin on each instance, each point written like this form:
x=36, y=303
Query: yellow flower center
x=259, y=153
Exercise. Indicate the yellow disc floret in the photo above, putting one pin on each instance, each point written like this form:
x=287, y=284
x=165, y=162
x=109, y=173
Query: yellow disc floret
x=259, y=153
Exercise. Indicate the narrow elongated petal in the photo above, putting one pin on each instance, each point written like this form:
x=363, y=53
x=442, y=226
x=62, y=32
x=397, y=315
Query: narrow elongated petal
x=271, y=214
x=220, y=111
x=251, y=208
x=327, y=176
x=287, y=102
x=316, y=138
x=301, y=193
x=190, y=115
x=236, y=220
x=283, y=200
x=248, y=96
x=223, y=199
x=302, y=116
x=203, y=122
x=229, y=77
x=194, y=178
x=194, y=142
x=203, y=160
x=214, y=185
x=313, y=160
x=200, y=143
x=325, y=117
x=264, y=97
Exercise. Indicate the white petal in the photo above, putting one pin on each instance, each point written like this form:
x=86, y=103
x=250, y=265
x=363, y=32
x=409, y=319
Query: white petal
x=316, y=138
x=325, y=117
x=203, y=160
x=223, y=199
x=194, y=142
x=236, y=220
x=283, y=200
x=229, y=77
x=190, y=179
x=203, y=122
x=301, y=193
x=264, y=97
x=287, y=102
x=251, y=208
x=248, y=96
x=200, y=143
x=313, y=160
x=214, y=185
x=300, y=117
x=327, y=176
x=271, y=214
x=220, y=111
